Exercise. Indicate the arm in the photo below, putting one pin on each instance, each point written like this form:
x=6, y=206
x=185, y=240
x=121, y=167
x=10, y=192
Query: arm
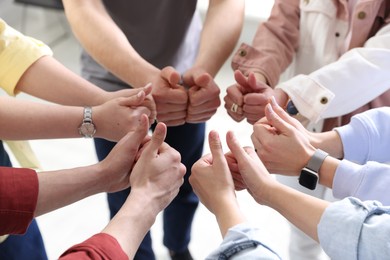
x=222, y=27
x=113, y=120
x=158, y=173
x=273, y=45
x=213, y=183
x=338, y=84
x=24, y=60
x=371, y=129
x=302, y=210
x=48, y=191
x=63, y=187
x=262, y=63
x=89, y=21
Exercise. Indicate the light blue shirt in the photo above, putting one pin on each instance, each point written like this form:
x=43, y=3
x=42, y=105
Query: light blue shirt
x=352, y=229
x=348, y=229
x=366, y=143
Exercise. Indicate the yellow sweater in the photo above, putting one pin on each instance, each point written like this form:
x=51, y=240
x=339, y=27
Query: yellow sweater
x=17, y=53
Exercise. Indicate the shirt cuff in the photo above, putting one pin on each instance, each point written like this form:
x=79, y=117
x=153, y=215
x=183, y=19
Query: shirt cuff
x=310, y=98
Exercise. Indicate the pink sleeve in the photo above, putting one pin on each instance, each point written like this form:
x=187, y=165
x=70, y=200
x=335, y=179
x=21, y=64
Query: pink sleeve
x=99, y=246
x=274, y=44
x=18, y=199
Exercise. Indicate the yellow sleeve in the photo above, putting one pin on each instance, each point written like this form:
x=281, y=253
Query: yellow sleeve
x=17, y=53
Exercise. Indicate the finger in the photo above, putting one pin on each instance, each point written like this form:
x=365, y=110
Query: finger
x=157, y=139
x=256, y=99
x=235, y=147
x=171, y=75
x=254, y=84
x=135, y=100
x=202, y=79
x=282, y=113
x=234, y=95
x=141, y=131
x=148, y=88
x=240, y=79
x=216, y=148
x=275, y=120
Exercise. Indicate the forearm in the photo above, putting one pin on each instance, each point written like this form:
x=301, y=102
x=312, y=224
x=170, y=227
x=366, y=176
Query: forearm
x=61, y=188
x=130, y=225
x=228, y=215
x=223, y=24
x=23, y=120
x=302, y=210
x=89, y=21
x=59, y=85
x=328, y=141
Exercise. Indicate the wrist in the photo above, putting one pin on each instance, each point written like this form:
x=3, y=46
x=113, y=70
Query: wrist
x=310, y=173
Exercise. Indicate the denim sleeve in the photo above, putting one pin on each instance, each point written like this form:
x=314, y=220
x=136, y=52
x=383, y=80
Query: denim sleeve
x=352, y=229
x=243, y=241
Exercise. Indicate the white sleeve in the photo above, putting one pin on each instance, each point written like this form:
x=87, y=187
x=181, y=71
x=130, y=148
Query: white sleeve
x=359, y=76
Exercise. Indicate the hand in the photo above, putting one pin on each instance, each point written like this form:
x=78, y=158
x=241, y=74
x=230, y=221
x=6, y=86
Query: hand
x=235, y=95
x=171, y=98
x=117, y=165
x=203, y=95
x=253, y=172
x=210, y=178
x=158, y=173
x=117, y=117
x=281, y=141
x=148, y=101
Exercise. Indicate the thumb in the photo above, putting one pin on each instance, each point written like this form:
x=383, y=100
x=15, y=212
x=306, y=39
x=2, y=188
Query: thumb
x=254, y=84
x=283, y=114
x=216, y=148
x=275, y=120
x=171, y=75
x=157, y=139
x=140, y=132
x=235, y=147
x=134, y=100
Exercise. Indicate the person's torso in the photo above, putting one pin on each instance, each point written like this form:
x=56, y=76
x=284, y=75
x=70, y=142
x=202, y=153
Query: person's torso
x=326, y=32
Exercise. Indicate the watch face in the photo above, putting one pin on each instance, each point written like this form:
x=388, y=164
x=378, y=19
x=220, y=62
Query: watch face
x=308, y=178
x=87, y=129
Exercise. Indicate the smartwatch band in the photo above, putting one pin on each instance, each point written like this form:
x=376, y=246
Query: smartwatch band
x=317, y=160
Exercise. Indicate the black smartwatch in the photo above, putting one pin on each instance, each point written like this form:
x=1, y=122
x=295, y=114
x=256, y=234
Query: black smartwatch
x=309, y=174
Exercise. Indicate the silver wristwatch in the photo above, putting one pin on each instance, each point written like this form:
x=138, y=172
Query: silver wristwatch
x=309, y=174
x=87, y=128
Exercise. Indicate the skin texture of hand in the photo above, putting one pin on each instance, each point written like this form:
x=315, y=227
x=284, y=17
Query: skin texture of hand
x=122, y=158
x=282, y=147
x=254, y=175
x=212, y=182
x=203, y=95
x=119, y=116
x=158, y=171
x=251, y=94
x=170, y=97
x=155, y=181
x=302, y=210
x=148, y=101
x=63, y=187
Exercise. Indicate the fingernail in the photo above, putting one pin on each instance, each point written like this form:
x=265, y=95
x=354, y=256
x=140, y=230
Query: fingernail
x=269, y=108
x=140, y=93
x=273, y=101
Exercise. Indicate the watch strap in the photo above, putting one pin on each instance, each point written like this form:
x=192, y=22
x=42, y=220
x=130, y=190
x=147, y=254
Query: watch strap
x=87, y=115
x=317, y=160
